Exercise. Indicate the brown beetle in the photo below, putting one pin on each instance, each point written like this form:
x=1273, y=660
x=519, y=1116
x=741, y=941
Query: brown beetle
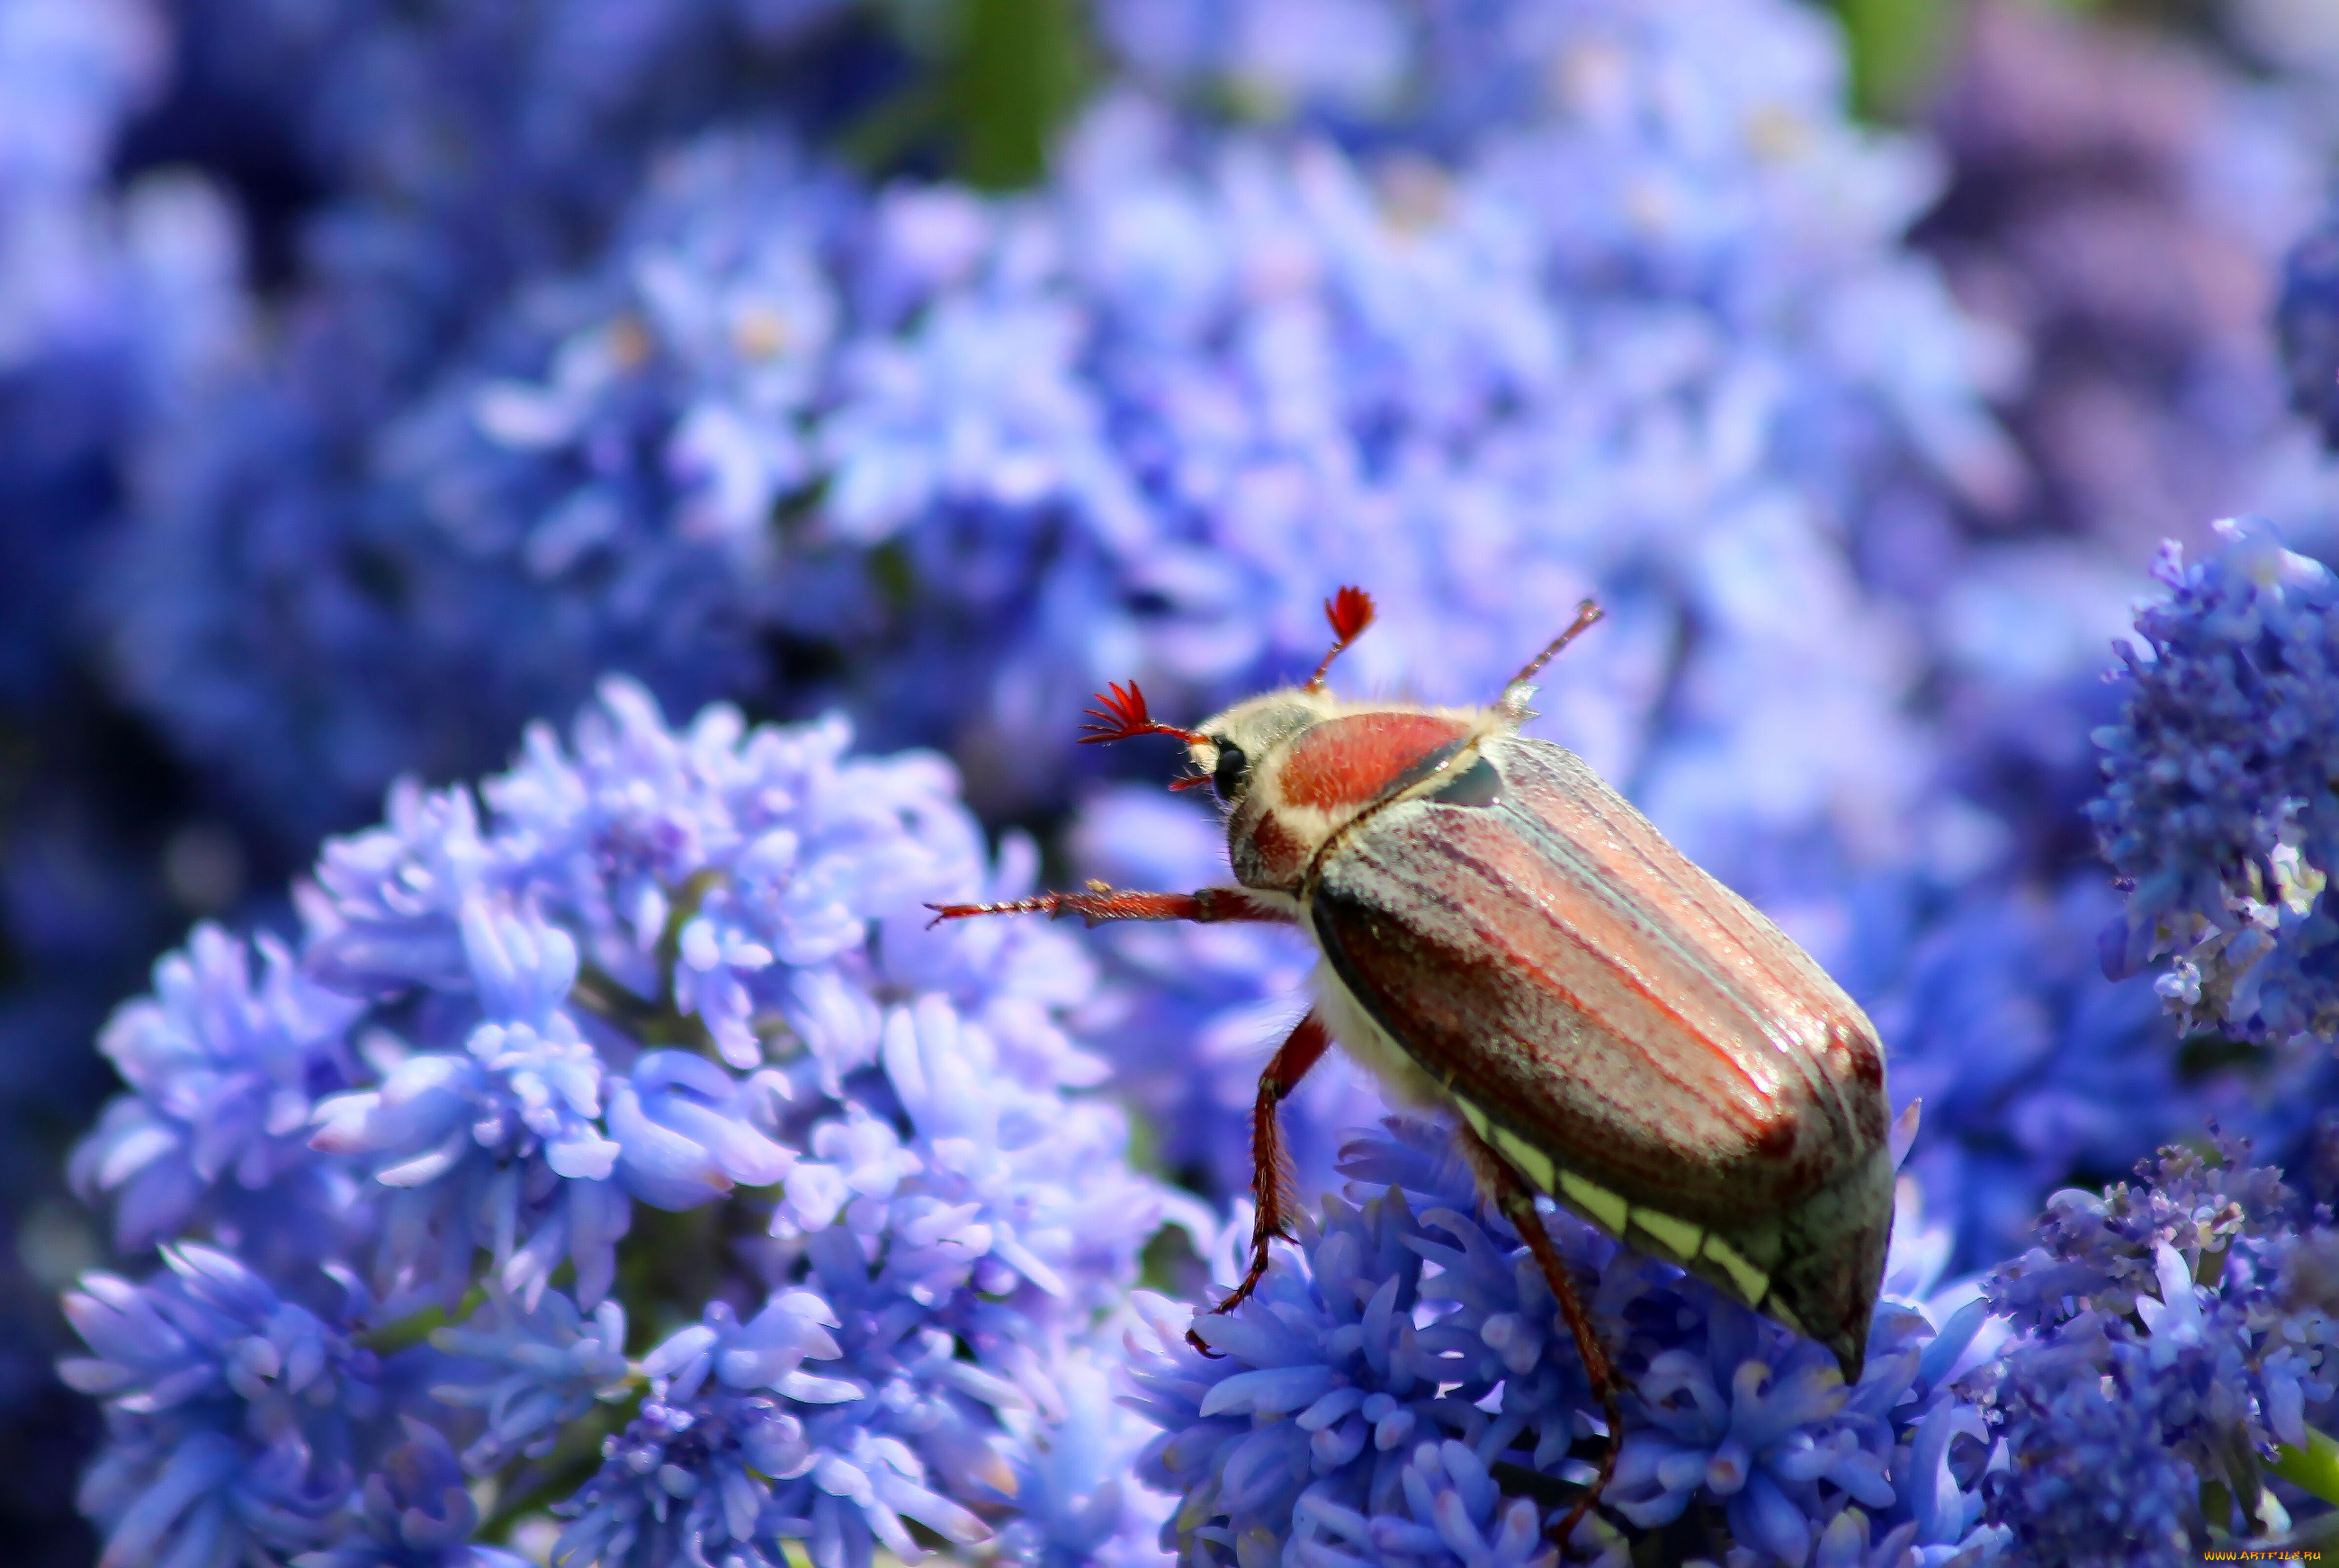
x=1505, y=935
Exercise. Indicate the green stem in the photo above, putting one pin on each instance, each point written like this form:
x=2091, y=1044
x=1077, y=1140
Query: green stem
x=2216, y=1503
x=413, y=1329
x=2314, y=1468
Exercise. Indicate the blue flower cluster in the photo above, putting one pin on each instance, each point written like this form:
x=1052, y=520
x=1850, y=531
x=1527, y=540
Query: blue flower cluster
x=606, y=1165
x=1622, y=337
x=193, y=1364
x=413, y=170
x=2033, y=1068
x=2218, y=806
x=241, y=1423
x=120, y=291
x=1485, y=348
x=2173, y=1342
x=2146, y=1378
x=2151, y=405
x=1401, y=1391
x=112, y=300
x=119, y=295
x=1635, y=321
x=646, y=973
x=2309, y=325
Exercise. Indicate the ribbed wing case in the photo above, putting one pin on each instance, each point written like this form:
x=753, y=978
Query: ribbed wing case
x=1636, y=1038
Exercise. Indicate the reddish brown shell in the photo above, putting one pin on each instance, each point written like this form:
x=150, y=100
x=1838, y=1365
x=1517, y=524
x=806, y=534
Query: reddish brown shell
x=1540, y=950
x=1345, y=764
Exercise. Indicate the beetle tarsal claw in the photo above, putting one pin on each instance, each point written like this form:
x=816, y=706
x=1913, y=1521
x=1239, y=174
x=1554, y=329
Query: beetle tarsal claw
x=1241, y=1292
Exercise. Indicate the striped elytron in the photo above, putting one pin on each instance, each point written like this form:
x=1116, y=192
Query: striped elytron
x=1502, y=933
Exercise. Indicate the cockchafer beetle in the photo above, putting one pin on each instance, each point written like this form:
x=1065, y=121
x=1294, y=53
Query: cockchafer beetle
x=1503, y=935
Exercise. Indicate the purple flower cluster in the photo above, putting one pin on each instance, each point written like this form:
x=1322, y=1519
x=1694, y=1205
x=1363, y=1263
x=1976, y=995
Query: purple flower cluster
x=2030, y=1065
x=2146, y=1378
x=990, y=452
x=648, y=971
x=115, y=298
x=2219, y=807
x=2173, y=1341
x=241, y=1423
x=1616, y=325
x=1401, y=1391
x=2172, y=1336
x=421, y=166
x=2154, y=401
x=606, y=1165
x=2309, y=325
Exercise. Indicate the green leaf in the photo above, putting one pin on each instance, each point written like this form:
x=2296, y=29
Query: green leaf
x=1018, y=69
x=1895, y=46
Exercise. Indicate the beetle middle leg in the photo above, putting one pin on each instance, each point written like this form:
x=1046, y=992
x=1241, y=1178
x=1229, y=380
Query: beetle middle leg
x=1270, y=1166
x=1516, y=1199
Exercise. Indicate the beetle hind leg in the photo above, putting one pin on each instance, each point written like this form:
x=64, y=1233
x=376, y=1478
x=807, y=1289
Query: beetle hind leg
x=1271, y=1165
x=1516, y=1200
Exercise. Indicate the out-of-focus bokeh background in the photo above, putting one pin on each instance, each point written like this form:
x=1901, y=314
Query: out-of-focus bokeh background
x=377, y=375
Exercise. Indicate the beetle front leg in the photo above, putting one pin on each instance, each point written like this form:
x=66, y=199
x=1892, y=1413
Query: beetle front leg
x=1270, y=1166
x=1516, y=1199
x=1101, y=903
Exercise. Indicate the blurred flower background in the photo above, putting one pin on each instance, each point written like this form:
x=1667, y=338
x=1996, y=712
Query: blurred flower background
x=535, y=535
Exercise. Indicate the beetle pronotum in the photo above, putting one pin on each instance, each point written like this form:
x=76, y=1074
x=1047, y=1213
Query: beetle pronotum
x=1503, y=936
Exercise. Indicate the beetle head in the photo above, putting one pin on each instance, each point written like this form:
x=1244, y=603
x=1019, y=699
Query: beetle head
x=1292, y=767
x=1243, y=752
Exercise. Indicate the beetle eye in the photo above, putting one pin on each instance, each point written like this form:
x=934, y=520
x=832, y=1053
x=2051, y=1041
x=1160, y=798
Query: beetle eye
x=1232, y=772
